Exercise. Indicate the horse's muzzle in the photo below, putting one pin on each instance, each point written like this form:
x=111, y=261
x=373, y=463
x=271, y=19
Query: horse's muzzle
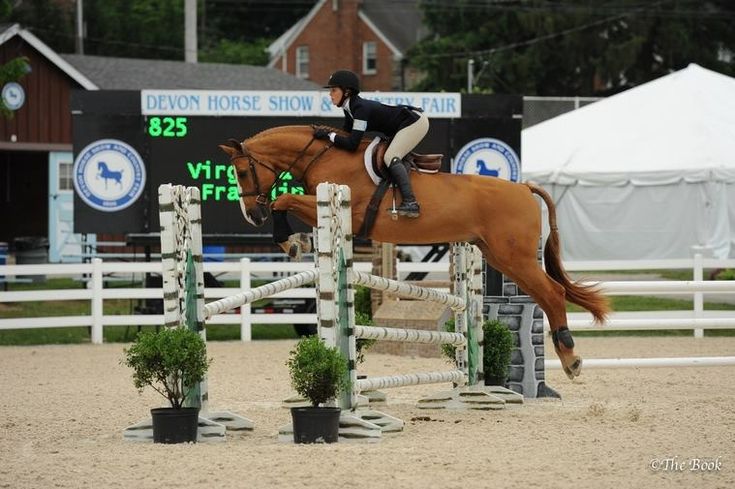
x=258, y=215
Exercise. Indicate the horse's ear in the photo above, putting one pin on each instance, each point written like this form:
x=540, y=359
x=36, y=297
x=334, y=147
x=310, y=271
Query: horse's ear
x=234, y=143
x=229, y=150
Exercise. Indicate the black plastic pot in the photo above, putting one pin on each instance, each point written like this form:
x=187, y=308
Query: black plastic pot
x=315, y=424
x=175, y=425
x=495, y=379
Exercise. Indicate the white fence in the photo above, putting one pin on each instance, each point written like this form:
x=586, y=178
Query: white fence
x=97, y=276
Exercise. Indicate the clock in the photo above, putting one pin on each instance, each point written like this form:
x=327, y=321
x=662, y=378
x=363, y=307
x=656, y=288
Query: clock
x=13, y=95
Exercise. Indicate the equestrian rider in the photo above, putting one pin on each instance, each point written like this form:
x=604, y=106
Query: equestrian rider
x=406, y=125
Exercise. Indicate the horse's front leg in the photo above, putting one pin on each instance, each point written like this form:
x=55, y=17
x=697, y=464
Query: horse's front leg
x=293, y=244
x=302, y=206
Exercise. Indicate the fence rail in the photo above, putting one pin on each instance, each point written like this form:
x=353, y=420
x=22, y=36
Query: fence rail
x=96, y=275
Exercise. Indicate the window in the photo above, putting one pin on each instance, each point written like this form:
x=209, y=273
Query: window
x=65, y=181
x=302, y=62
x=369, y=58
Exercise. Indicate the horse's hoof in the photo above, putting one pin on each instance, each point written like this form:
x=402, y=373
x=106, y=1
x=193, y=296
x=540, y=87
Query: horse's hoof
x=294, y=251
x=574, y=369
x=305, y=242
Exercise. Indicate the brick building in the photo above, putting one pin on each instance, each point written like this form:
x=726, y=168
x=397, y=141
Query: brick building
x=369, y=37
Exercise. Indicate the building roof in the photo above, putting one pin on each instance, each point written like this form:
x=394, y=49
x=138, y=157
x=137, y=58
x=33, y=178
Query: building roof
x=139, y=74
x=398, y=24
x=8, y=31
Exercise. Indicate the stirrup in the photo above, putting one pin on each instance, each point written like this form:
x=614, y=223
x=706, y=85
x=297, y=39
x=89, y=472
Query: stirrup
x=409, y=209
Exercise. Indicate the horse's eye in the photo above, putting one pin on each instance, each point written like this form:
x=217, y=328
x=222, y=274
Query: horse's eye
x=242, y=173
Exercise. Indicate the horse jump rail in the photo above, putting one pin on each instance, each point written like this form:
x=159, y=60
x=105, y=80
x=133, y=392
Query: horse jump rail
x=409, y=335
x=267, y=290
x=375, y=383
x=407, y=290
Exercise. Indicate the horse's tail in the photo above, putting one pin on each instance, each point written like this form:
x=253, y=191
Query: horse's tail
x=586, y=296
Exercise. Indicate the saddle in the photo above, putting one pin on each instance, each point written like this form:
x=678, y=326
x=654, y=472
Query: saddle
x=427, y=163
x=430, y=163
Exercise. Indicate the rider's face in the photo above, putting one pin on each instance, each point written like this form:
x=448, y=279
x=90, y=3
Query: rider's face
x=335, y=93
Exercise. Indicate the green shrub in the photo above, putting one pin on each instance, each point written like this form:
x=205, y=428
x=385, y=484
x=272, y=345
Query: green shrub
x=363, y=302
x=361, y=344
x=497, y=347
x=318, y=372
x=172, y=361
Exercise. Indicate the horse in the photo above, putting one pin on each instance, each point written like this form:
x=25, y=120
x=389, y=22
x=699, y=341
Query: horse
x=501, y=217
x=107, y=174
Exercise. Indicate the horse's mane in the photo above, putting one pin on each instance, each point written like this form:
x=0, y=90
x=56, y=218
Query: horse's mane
x=307, y=130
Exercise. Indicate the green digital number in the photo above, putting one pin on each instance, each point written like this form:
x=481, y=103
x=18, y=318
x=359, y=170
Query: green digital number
x=167, y=127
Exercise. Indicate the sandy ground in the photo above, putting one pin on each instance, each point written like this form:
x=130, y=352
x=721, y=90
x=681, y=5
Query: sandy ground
x=63, y=409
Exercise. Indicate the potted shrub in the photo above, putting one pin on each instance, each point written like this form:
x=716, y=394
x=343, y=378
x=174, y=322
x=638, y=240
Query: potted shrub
x=497, y=347
x=318, y=373
x=172, y=361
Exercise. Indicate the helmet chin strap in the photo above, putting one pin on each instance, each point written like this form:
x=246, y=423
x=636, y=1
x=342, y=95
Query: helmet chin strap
x=345, y=95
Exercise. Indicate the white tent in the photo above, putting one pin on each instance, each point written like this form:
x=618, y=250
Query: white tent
x=646, y=174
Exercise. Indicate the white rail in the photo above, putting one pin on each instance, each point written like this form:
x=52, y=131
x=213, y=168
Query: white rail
x=93, y=275
x=649, y=362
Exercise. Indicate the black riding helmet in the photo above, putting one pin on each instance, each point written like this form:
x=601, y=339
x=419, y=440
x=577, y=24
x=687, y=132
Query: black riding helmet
x=344, y=79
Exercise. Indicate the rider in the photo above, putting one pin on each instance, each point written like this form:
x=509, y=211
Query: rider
x=406, y=125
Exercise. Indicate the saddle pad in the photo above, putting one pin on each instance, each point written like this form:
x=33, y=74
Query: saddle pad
x=368, y=159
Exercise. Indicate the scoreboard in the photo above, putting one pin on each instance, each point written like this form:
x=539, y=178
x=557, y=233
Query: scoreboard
x=177, y=140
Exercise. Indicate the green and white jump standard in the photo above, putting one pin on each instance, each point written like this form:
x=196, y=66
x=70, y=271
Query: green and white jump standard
x=337, y=325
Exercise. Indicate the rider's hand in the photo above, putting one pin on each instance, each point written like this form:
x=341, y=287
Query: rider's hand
x=321, y=133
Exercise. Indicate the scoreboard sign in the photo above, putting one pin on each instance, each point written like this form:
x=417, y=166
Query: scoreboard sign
x=176, y=134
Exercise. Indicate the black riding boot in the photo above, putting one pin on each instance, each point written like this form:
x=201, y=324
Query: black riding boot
x=409, y=207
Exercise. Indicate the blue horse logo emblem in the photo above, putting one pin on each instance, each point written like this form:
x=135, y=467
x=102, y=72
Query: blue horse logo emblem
x=105, y=173
x=488, y=157
x=482, y=169
x=109, y=175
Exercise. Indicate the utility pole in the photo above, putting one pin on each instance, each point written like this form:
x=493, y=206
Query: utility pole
x=80, y=28
x=190, y=31
x=470, y=74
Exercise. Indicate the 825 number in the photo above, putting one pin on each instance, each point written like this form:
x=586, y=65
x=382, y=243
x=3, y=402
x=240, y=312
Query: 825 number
x=167, y=127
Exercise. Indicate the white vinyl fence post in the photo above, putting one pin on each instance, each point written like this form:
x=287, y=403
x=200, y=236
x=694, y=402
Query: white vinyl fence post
x=698, y=296
x=97, y=309
x=246, y=317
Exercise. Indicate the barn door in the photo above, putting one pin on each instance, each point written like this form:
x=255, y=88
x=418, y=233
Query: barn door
x=64, y=245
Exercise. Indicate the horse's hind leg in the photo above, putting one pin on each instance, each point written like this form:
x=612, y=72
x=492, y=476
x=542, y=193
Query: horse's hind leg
x=548, y=294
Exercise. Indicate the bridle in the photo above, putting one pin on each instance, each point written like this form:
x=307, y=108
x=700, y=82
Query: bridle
x=262, y=198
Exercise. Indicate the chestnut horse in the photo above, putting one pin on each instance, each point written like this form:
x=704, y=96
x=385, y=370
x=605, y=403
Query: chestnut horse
x=502, y=218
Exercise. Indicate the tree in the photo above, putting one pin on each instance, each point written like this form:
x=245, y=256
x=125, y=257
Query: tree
x=229, y=31
x=570, y=47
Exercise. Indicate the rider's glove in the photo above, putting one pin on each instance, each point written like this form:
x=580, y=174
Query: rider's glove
x=321, y=133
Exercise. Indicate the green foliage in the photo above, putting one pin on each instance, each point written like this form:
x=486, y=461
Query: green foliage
x=237, y=52
x=497, y=347
x=361, y=344
x=575, y=47
x=13, y=71
x=449, y=351
x=227, y=32
x=363, y=302
x=727, y=274
x=318, y=372
x=171, y=361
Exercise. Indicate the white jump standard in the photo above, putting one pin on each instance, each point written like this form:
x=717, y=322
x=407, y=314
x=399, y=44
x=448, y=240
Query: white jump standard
x=183, y=301
x=337, y=328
